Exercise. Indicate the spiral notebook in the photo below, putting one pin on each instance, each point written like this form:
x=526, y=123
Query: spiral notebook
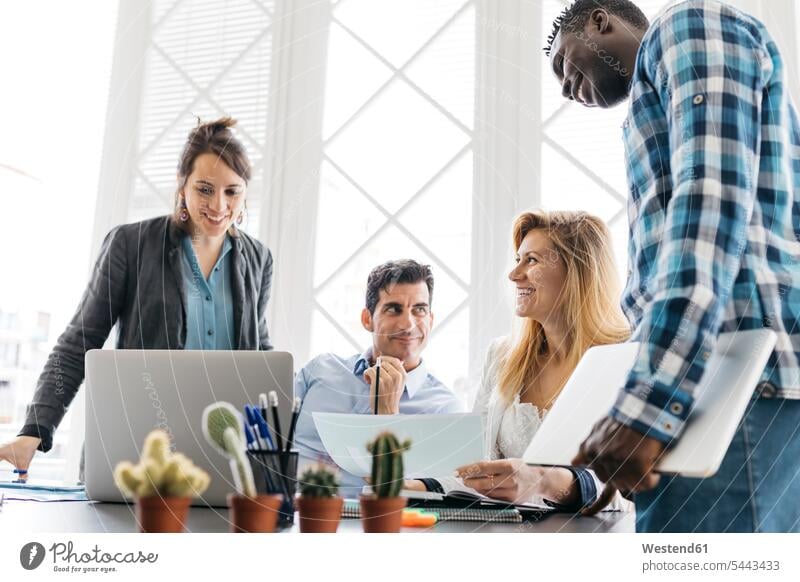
x=463, y=506
x=352, y=510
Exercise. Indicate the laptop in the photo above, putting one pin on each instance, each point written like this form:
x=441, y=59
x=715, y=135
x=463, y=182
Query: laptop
x=732, y=373
x=131, y=392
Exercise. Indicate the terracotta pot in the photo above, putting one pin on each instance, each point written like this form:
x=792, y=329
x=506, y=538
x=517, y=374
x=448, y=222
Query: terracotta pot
x=257, y=514
x=382, y=514
x=319, y=514
x=162, y=514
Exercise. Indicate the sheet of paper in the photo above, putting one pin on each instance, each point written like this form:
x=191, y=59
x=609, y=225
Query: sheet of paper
x=42, y=485
x=42, y=491
x=440, y=443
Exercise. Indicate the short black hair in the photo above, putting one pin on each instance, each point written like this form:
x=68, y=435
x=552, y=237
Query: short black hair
x=575, y=16
x=396, y=273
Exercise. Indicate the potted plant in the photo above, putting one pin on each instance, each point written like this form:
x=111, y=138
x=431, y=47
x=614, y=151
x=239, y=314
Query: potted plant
x=162, y=484
x=248, y=510
x=382, y=512
x=319, y=505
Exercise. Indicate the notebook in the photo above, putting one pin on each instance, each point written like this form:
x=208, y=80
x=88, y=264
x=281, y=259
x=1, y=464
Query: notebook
x=464, y=506
x=352, y=510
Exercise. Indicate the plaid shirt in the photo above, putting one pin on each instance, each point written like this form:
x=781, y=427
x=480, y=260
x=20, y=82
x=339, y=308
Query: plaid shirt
x=711, y=142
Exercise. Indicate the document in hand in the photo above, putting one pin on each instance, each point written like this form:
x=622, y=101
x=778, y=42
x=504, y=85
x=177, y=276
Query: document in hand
x=440, y=443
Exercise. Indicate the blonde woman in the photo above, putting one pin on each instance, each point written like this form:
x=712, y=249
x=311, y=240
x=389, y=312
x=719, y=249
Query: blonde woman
x=567, y=294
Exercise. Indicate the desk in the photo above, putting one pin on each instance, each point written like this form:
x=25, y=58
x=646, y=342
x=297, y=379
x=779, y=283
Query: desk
x=88, y=517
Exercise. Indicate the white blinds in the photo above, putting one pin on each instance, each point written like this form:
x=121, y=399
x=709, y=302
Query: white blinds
x=205, y=58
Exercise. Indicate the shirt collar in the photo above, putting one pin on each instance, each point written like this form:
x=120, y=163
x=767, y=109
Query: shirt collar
x=192, y=256
x=414, y=379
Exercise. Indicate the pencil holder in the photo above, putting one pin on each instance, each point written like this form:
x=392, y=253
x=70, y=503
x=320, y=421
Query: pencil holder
x=276, y=473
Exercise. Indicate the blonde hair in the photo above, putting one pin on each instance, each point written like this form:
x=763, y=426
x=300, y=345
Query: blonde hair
x=589, y=301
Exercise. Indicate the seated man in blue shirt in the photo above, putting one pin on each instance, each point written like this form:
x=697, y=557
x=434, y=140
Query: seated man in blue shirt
x=398, y=314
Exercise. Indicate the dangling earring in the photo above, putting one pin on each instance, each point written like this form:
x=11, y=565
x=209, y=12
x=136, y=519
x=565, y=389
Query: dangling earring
x=184, y=213
x=240, y=218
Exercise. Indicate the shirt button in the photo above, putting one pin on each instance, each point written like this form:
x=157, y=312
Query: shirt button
x=676, y=408
x=208, y=297
x=767, y=390
x=706, y=355
x=216, y=268
x=698, y=99
x=210, y=332
x=668, y=426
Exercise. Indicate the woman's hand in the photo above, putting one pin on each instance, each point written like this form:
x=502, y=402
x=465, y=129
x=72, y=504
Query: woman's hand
x=19, y=451
x=513, y=480
x=414, y=485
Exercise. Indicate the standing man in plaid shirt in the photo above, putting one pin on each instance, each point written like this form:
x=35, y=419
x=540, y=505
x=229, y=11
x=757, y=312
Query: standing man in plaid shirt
x=712, y=146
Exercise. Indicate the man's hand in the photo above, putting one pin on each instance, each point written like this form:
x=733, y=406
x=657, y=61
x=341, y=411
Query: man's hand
x=622, y=458
x=392, y=384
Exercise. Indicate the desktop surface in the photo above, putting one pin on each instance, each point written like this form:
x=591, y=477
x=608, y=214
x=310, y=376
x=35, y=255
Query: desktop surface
x=96, y=517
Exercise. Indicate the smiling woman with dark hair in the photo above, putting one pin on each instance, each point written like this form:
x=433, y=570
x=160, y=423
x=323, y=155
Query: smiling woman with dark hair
x=189, y=280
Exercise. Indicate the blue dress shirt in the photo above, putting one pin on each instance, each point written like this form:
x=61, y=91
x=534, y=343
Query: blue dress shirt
x=209, y=306
x=329, y=383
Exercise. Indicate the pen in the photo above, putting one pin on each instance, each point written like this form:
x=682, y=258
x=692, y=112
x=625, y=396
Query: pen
x=248, y=433
x=260, y=428
x=293, y=425
x=262, y=404
x=273, y=400
x=377, y=381
x=263, y=430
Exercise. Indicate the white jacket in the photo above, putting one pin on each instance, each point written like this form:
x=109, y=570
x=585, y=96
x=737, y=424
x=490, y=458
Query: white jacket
x=492, y=406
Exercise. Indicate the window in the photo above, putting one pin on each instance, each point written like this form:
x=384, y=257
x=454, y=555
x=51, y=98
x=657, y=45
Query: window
x=583, y=162
x=396, y=174
x=202, y=59
x=53, y=115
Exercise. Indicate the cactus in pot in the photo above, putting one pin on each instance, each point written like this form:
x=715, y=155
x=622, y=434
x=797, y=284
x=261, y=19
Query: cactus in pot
x=249, y=511
x=319, y=481
x=223, y=428
x=162, y=484
x=387, y=464
x=319, y=505
x=382, y=512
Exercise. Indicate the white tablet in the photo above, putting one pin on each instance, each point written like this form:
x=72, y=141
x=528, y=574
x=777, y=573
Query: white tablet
x=721, y=398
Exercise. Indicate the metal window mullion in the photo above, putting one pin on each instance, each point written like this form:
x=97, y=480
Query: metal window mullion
x=581, y=166
x=426, y=186
x=336, y=325
x=395, y=70
x=218, y=79
x=392, y=219
x=205, y=93
x=450, y=317
x=152, y=186
x=400, y=73
x=379, y=207
x=292, y=161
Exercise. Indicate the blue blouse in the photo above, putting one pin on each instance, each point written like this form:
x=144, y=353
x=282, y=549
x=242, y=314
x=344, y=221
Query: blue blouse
x=209, y=306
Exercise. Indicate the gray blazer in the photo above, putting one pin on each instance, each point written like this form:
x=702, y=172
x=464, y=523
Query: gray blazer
x=138, y=284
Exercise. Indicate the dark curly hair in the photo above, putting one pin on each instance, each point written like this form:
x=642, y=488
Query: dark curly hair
x=396, y=273
x=575, y=16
